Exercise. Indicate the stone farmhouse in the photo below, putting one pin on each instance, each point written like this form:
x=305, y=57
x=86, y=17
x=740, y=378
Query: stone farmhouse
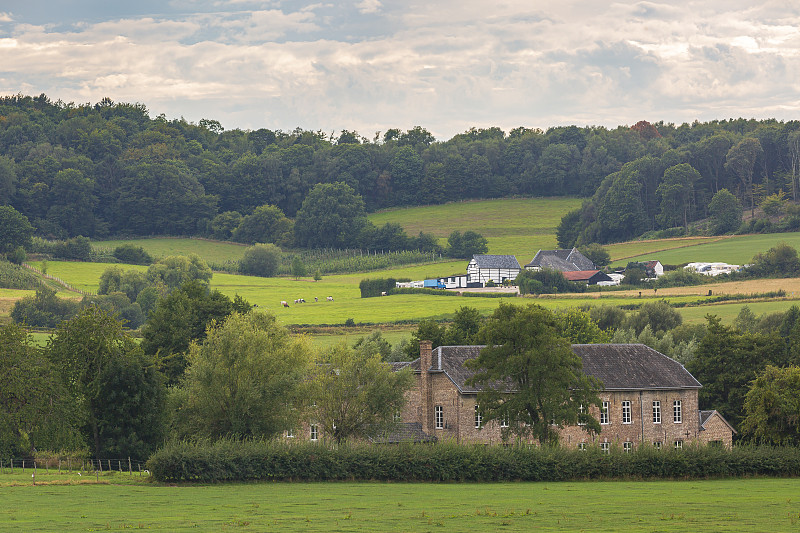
x=647, y=398
x=563, y=260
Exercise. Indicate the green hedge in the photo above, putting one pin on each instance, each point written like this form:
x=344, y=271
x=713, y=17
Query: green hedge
x=229, y=460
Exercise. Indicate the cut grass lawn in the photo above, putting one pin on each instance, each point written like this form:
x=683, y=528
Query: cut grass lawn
x=737, y=249
x=715, y=505
x=515, y=226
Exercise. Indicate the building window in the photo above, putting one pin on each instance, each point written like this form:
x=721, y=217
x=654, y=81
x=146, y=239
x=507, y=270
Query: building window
x=439, y=417
x=626, y=412
x=478, y=417
x=677, y=417
x=627, y=446
x=289, y=433
x=581, y=413
x=398, y=416
x=314, y=432
x=604, y=447
x=604, y=410
x=657, y=445
x=504, y=420
x=656, y=412
x=582, y=446
x=678, y=444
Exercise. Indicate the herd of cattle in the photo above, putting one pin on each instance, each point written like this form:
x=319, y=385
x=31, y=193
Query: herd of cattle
x=284, y=303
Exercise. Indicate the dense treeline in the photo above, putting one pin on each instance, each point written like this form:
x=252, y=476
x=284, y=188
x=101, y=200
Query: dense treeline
x=109, y=168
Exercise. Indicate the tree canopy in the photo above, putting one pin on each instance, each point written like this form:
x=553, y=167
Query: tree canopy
x=529, y=376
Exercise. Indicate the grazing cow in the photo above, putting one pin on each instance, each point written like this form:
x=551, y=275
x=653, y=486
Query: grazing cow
x=383, y=293
x=284, y=303
x=302, y=301
x=330, y=298
x=315, y=299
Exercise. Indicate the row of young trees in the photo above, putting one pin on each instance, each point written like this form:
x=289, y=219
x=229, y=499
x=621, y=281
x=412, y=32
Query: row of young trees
x=109, y=168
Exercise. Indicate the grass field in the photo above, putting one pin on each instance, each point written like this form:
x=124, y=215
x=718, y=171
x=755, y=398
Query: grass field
x=516, y=226
x=738, y=249
x=267, y=293
x=123, y=502
x=212, y=251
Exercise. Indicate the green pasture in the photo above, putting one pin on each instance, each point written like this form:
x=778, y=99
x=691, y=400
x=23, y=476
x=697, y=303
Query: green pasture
x=738, y=249
x=268, y=293
x=118, y=503
x=516, y=226
x=211, y=251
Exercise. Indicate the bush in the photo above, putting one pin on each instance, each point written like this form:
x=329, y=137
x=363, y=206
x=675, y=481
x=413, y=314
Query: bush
x=132, y=255
x=261, y=260
x=371, y=288
x=261, y=460
x=546, y=281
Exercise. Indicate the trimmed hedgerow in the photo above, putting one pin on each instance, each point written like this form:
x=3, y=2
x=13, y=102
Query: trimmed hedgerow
x=231, y=460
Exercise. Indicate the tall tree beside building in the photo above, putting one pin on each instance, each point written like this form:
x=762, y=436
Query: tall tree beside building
x=526, y=354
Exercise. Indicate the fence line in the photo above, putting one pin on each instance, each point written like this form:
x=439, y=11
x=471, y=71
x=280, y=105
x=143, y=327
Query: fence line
x=72, y=464
x=57, y=280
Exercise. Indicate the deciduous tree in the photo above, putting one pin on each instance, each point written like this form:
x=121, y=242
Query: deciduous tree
x=529, y=376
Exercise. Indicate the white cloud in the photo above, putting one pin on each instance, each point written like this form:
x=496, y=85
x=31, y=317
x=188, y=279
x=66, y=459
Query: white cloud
x=444, y=65
x=5, y=17
x=369, y=6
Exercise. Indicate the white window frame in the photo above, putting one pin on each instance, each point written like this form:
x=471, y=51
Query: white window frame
x=314, y=429
x=605, y=411
x=398, y=416
x=581, y=412
x=439, y=416
x=504, y=420
x=290, y=433
x=656, y=412
x=605, y=447
x=478, y=417
x=677, y=412
x=657, y=444
x=582, y=446
x=626, y=412
x=678, y=444
x=627, y=446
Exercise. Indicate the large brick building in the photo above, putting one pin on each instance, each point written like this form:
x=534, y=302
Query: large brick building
x=647, y=398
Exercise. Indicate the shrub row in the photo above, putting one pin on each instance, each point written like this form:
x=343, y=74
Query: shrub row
x=230, y=460
x=371, y=288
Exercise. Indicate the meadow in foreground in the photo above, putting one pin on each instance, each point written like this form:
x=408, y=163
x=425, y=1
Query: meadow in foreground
x=122, y=502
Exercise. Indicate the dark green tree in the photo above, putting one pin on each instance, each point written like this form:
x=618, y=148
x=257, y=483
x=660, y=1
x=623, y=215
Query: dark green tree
x=178, y=319
x=542, y=379
x=84, y=350
x=727, y=360
x=15, y=230
x=726, y=212
x=596, y=254
x=772, y=407
x=331, y=215
x=261, y=260
x=267, y=224
x=298, y=267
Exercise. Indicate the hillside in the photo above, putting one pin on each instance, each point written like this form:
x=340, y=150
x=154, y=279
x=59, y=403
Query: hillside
x=516, y=226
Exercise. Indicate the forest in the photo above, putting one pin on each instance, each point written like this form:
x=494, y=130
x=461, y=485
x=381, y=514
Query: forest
x=109, y=169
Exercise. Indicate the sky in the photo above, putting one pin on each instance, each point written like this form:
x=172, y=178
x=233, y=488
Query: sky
x=446, y=65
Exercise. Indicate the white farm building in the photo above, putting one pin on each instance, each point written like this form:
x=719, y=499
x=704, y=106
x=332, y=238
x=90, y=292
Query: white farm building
x=497, y=268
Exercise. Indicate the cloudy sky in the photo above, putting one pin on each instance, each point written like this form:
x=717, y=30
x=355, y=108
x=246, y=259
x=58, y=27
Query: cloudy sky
x=447, y=65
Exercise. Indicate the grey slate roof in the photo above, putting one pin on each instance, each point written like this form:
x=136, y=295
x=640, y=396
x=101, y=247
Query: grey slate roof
x=563, y=260
x=618, y=366
x=633, y=366
x=496, y=261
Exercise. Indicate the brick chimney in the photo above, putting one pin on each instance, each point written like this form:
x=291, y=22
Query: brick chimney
x=425, y=388
x=425, y=355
